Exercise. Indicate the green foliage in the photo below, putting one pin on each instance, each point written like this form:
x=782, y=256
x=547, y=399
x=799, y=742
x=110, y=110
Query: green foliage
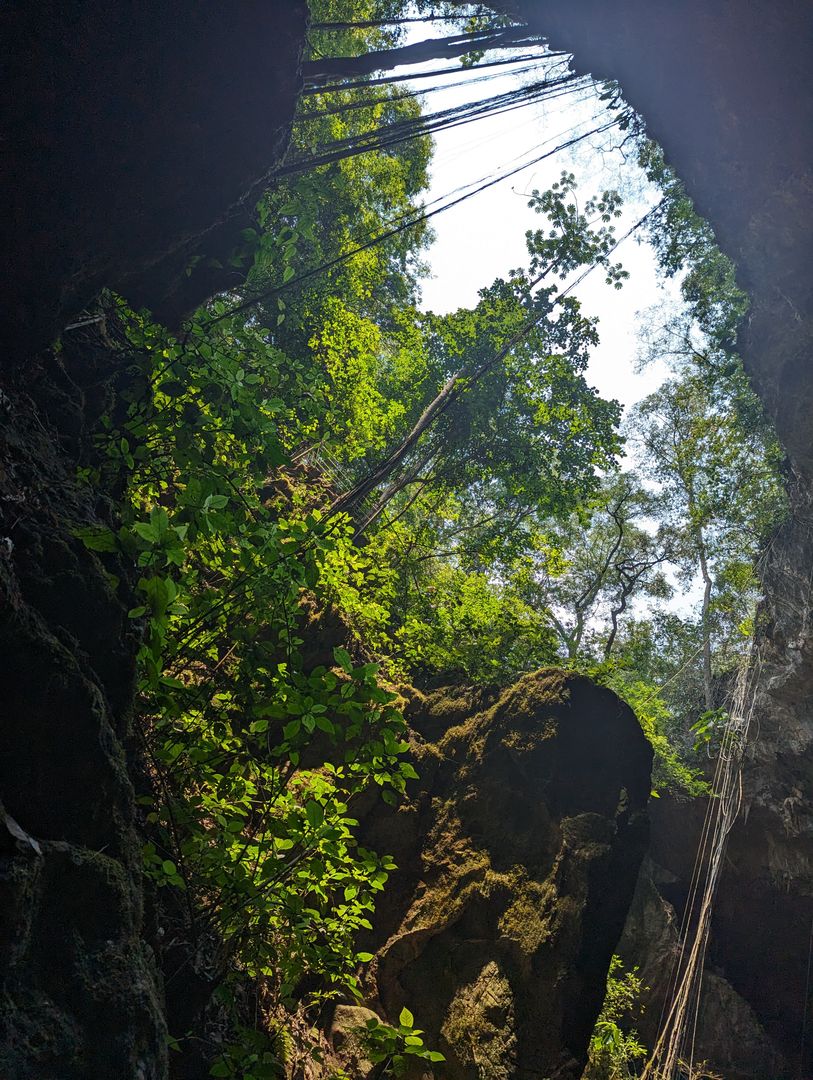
x=502, y=431
x=616, y=1051
x=358, y=416
x=529, y=427
x=254, y=752
x=589, y=567
x=713, y=456
x=255, y=755
x=463, y=622
x=392, y=1047
x=490, y=533
x=719, y=477
x=708, y=731
x=590, y=233
x=705, y=431
x=253, y=1055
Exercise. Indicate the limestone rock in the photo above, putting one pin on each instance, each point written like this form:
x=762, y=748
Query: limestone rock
x=518, y=852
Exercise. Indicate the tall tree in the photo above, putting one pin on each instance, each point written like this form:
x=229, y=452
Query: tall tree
x=719, y=491
x=506, y=357
x=597, y=563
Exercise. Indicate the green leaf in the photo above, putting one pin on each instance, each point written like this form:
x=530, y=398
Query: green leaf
x=291, y=729
x=343, y=659
x=315, y=814
x=146, y=531
x=159, y=519
x=97, y=539
x=406, y=1019
x=324, y=724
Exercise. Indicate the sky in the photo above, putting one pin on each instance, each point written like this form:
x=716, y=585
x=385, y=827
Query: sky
x=484, y=236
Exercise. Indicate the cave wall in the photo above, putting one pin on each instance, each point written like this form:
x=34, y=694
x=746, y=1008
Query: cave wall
x=135, y=137
x=729, y=1034
x=138, y=136
x=79, y=991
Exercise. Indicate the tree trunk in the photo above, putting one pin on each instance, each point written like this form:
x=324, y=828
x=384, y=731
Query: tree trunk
x=382, y=472
x=704, y=619
x=411, y=477
x=451, y=390
x=328, y=69
x=614, y=614
x=576, y=639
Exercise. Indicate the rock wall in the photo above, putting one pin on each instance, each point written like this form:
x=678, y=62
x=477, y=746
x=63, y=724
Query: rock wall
x=763, y=929
x=139, y=135
x=79, y=990
x=755, y=1019
x=729, y=1036
x=517, y=860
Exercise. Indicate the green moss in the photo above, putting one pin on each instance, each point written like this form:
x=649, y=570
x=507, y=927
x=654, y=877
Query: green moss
x=527, y=921
x=545, y=688
x=480, y=1025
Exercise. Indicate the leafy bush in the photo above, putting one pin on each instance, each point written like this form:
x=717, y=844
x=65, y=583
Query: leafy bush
x=253, y=754
x=614, y=1052
x=390, y=1048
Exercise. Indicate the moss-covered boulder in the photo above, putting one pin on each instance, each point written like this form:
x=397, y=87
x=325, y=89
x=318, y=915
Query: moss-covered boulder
x=518, y=857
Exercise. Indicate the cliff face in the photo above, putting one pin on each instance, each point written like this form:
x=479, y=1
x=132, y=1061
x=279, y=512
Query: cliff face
x=141, y=137
x=765, y=909
x=114, y=116
x=517, y=860
x=729, y=1036
x=80, y=995
x=761, y=940
x=755, y=1013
